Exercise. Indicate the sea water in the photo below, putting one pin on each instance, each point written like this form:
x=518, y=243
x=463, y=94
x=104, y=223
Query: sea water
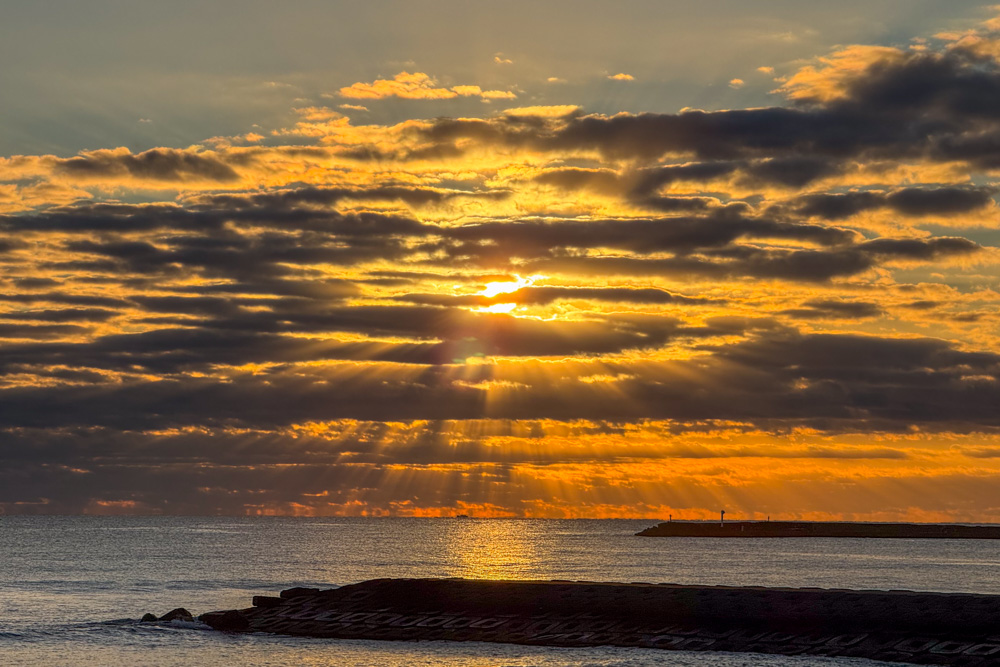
x=72, y=588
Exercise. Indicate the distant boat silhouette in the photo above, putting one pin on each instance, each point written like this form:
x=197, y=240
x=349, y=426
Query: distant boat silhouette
x=461, y=516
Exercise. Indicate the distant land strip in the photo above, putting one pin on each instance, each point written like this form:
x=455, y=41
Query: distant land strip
x=895, y=626
x=821, y=529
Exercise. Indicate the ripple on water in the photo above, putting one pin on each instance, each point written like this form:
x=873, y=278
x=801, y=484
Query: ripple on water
x=61, y=577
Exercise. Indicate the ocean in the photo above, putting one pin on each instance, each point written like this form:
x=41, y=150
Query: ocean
x=72, y=588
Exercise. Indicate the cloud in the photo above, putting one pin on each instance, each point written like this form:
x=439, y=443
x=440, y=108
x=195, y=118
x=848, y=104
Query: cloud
x=157, y=164
x=682, y=235
x=417, y=86
x=913, y=202
x=830, y=309
x=872, y=103
x=544, y=295
x=550, y=111
x=713, y=295
x=621, y=76
x=825, y=381
x=273, y=239
x=834, y=75
x=816, y=266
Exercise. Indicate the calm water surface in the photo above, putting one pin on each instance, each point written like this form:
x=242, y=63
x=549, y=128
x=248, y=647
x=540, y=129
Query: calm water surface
x=72, y=587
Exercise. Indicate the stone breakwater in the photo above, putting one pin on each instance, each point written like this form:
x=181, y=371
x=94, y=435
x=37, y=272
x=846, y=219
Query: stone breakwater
x=947, y=531
x=897, y=626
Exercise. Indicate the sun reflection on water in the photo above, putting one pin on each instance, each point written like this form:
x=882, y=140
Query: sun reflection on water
x=488, y=549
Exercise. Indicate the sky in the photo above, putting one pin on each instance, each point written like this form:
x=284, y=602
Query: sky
x=561, y=259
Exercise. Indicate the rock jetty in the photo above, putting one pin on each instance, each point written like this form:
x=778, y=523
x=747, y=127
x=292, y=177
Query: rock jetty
x=896, y=626
x=948, y=531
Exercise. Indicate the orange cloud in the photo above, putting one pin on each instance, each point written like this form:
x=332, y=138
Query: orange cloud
x=829, y=80
x=552, y=111
x=726, y=309
x=417, y=86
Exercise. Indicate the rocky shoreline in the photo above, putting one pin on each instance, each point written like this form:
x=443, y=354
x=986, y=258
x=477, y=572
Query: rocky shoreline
x=896, y=626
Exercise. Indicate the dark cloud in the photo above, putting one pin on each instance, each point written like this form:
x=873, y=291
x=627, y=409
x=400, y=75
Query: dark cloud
x=7, y=245
x=652, y=178
x=676, y=204
x=605, y=181
x=839, y=206
x=243, y=257
x=638, y=187
x=197, y=333
x=65, y=298
x=918, y=105
x=38, y=331
x=953, y=84
x=540, y=296
x=159, y=164
x=774, y=132
x=906, y=201
x=792, y=172
x=680, y=234
x=752, y=262
x=940, y=201
x=923, y=304
x=35, y=283
x=62, y=315
x=920, y=249
x=641, y=186
x=546, y=295
x=303, y=198
x=270, y=244
x=830, y=382
x=209, y=215
x=828, y=309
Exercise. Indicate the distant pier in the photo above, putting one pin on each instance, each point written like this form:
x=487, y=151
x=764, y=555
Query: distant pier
x=898, y=626
x=948, y=531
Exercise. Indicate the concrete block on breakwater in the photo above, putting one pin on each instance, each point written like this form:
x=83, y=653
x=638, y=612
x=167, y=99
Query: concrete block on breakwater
x=900, y=626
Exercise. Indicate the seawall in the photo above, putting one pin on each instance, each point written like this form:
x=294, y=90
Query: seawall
x=900, y=626
x=821, y=529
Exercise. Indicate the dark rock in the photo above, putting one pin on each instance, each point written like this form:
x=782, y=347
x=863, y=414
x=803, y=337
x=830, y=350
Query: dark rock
x=179, y=614
x=148, y=618
x=298, y=592
x=227, y=621
x=266, y=601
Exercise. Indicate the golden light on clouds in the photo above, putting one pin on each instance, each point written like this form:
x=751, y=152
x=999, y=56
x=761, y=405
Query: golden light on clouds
x=417, y=86
x=506, y=287
x=546, y=310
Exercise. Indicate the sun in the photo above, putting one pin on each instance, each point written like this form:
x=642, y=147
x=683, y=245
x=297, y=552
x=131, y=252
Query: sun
x=499, y=308
x=499, y=288
x=493, y=289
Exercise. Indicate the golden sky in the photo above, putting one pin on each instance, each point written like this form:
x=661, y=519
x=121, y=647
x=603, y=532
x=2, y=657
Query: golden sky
x=489, y=276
